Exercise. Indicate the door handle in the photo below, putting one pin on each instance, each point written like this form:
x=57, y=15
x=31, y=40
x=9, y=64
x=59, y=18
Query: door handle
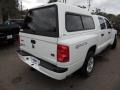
x=102, y=35
x=33, y=41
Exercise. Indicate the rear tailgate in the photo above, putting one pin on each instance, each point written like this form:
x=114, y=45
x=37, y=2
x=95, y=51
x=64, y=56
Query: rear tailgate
x=39, y=46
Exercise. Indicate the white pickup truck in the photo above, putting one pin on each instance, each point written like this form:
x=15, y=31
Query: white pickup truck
x=59, y=39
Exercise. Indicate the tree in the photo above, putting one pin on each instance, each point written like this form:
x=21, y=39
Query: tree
x=117, y=23
x=8, y=8
x=96, y=11
x=115, y=19
x=84, y=7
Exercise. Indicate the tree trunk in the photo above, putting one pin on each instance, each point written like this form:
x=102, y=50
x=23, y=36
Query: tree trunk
x=4, y=15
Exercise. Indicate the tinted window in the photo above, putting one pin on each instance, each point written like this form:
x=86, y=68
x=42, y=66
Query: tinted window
x=88, y=22
x=102, y=23
x=108, y=24
x=73, y=23
x=42, y=21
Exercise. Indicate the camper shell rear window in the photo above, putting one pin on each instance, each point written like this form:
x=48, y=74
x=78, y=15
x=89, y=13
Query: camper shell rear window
x=42, y=21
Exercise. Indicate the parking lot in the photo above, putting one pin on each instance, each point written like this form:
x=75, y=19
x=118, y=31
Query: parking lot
x=16, y=75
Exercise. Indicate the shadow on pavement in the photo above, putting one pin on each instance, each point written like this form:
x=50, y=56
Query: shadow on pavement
x=6, y=45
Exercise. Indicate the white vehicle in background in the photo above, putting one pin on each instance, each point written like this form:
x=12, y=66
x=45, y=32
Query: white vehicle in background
x=58, y=39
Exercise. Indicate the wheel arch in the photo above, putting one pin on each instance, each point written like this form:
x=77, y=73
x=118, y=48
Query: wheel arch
x=92, y=48
x=83, y=68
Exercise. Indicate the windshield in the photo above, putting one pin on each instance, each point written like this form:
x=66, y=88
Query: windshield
x=42, y=21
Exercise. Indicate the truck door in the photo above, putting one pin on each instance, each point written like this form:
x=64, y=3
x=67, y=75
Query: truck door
x=109, y=29
x=103, y=34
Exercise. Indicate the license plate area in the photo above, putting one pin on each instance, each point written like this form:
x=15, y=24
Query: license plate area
x=35, y=61
x=9, y=36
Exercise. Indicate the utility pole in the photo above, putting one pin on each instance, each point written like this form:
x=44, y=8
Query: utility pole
x=21, y=6
x=64, y=1
x=89, y=5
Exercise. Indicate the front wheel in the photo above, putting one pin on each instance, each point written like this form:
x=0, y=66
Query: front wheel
x=88, y=66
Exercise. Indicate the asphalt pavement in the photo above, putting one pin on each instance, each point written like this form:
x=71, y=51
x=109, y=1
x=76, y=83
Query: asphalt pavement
x=16, y=75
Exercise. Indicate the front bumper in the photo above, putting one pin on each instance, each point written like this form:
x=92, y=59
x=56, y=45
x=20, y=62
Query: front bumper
x=44, y=67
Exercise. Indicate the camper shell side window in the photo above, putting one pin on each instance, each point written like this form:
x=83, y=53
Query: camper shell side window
x=76, y=22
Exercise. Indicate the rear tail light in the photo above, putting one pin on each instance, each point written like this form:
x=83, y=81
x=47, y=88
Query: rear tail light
x=62, y=53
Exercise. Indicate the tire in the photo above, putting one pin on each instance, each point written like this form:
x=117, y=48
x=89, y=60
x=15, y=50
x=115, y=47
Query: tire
x=114, y=45
x=88, y=65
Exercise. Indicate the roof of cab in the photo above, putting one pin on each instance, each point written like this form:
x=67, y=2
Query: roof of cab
x=99, y=16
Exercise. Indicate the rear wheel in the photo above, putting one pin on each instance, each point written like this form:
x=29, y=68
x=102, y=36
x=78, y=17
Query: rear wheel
x=88, y=66
x=114, y=43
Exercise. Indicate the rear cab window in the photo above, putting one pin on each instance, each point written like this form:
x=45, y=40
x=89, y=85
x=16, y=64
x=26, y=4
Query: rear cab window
x=42, y=21
x=76, y=22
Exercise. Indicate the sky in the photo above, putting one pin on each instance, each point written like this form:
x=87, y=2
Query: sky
x=109, y=6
